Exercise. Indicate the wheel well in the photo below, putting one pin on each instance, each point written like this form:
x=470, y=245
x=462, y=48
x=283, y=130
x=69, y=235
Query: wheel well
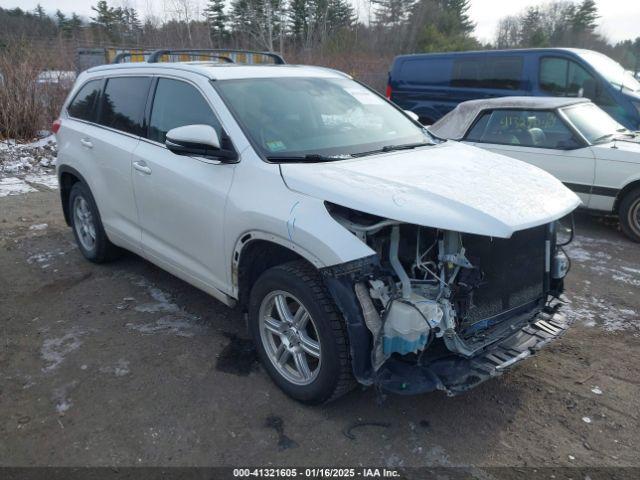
x=256, y=257
x=67, y=180
x=623, y=192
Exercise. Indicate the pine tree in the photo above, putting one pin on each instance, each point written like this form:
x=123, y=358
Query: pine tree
x=39, y=12
x=460, y=11
x=586, y=16
x=64, y=27
x=217, y=20
x=105, y=18
x=532, y=34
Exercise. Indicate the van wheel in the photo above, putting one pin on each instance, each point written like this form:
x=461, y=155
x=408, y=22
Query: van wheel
x=630, y=214
x=87, y=226
x=300, y=336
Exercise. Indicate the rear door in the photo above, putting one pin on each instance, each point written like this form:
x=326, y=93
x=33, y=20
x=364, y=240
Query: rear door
x=181, y=199
x=121, y=120
x=541, y=138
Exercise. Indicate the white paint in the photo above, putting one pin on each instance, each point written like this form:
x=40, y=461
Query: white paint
x=586, y=419
x=596, y=390
x=14, y=186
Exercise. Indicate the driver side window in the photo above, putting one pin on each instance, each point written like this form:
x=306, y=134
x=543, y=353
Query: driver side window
x=176, y=104
x=525, y=128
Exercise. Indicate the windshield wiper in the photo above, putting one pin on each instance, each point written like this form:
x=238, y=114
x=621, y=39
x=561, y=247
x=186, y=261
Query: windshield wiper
x=309, y=158
x=392, y=148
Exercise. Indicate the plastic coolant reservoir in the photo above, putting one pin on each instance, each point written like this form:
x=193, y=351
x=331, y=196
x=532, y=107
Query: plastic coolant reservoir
x=406, y=329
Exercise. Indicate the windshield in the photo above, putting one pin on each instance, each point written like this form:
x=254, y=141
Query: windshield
x=593, y=123
x=611, y=70
x=329, y=117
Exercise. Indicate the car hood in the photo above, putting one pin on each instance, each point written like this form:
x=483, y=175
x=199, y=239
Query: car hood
x=627, y=150
x=448, y=186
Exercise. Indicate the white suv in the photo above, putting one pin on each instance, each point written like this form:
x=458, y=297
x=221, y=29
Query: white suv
x=362, y=247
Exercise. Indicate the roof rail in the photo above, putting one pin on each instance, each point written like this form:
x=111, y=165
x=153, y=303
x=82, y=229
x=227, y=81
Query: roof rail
x=228, y=54
x=122, y=55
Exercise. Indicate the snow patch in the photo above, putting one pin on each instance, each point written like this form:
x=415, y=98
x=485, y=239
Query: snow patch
x=176, y=320
x=39, y=226
x=45, y=179
x=592, y=311
x=61, y=397
x=55, y=350
x=120, y=369
x=14, y=186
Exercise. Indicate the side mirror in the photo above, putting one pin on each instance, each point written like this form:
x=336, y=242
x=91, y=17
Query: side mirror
x=198, y=140
x=414, y=116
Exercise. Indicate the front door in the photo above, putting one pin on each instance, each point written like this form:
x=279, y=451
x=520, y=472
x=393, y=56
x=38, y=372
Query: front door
x=181, y=199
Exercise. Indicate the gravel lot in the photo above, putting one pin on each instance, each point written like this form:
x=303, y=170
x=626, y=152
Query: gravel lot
x=123, y=364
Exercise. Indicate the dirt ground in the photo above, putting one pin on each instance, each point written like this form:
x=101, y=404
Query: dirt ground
x=123, y=364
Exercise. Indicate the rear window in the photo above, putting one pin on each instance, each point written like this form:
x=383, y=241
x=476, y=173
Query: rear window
x=488, y=72
x=123, y=103
x=84, y=103
x=426, y=71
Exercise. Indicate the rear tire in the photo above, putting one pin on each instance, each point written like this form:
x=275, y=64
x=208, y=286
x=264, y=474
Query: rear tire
x=314, y=336
x=630, y=214
x=87, y=226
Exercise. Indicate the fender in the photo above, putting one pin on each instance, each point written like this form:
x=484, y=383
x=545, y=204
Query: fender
x=63, y=189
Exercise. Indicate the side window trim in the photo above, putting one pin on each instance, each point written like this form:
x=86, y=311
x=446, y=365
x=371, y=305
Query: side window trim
x=475, y=122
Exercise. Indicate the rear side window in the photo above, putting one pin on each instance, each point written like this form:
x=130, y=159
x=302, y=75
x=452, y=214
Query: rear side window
x=488, y=72
x=83, y=106
x=177, y=104
x=123, y=103
x=426, y=71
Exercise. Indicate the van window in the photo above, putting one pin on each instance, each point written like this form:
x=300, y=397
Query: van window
x=123, y=103
x=177, y=104
x=84, y=103
x=426, y=71
x=562, y=77
x=525, y=128
x=487, y=72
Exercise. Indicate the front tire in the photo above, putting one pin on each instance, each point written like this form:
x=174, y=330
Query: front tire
x=300, y=336
x=87, y=226
x=630, y=215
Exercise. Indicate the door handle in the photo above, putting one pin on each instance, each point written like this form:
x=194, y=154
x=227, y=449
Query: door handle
x=86, y=143
x=142, y=167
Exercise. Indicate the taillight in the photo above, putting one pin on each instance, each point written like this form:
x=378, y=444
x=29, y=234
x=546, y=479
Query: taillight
x=388, y=92
x=56, y=125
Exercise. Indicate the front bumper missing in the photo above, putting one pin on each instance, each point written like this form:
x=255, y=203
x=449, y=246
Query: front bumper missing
x=455, y=374
x=437, y=368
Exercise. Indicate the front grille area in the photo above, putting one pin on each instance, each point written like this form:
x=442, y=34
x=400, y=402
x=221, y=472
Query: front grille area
x=512, y=276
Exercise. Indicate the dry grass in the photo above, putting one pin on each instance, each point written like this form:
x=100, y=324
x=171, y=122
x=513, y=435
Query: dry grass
x=27, y=103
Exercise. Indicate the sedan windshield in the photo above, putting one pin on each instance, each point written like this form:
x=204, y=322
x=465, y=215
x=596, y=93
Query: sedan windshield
x=593, y=123
x=317, y=119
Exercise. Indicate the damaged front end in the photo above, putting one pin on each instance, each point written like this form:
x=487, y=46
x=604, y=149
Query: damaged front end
x=441, y=310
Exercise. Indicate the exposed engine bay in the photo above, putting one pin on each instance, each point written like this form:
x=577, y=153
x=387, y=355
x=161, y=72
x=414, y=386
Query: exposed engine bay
x=431, y=293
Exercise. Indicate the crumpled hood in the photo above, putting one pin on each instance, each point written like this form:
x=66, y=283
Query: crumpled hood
x=448, y=186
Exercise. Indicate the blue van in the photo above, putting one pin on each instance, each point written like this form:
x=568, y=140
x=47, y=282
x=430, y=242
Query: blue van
x=431, y=85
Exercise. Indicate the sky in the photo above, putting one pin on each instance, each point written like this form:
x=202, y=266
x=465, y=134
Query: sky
x=620, y=19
